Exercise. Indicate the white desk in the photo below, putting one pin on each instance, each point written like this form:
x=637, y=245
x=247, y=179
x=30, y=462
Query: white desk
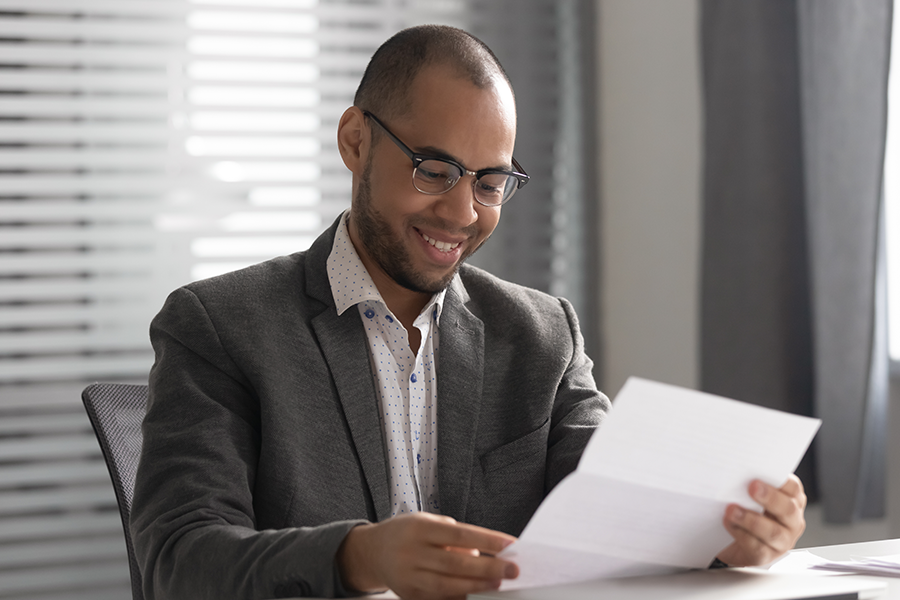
x=733, y=584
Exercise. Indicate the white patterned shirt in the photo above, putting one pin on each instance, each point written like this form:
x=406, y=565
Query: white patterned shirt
x=406, y=384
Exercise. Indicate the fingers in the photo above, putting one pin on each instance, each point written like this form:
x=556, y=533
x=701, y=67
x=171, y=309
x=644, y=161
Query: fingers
x=448, y=533
x=761, y=538
x=425, y=556
x=747, y=549
x=427, y=585
x=785, y=505
x=467, y=566
x=465, y=551
x=766, y=534
x=794, y=488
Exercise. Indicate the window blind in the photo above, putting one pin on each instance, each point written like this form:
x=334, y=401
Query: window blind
x=148, y=143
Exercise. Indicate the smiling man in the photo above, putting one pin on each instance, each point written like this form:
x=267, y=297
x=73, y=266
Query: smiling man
x=373, y=413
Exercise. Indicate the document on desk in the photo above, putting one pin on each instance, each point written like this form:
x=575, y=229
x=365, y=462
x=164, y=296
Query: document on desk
x=649, y=494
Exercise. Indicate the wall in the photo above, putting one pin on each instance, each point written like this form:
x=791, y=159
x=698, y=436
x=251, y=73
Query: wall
x=650, y=164
x=650, y=153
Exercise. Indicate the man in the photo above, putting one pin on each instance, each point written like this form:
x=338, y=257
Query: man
x=372, y=413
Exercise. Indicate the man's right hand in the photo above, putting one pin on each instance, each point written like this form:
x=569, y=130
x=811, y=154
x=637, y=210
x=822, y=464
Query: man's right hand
x=424, y=556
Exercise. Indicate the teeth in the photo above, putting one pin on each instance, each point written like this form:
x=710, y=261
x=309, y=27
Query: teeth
x=442, y=246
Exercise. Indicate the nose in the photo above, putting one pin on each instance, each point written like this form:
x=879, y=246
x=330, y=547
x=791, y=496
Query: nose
x=457, y=205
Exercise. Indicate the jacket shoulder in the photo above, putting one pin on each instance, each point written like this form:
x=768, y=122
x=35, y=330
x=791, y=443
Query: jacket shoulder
x=486, y=290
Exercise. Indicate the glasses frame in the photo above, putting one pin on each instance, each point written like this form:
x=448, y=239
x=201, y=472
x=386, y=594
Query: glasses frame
x=520, y=175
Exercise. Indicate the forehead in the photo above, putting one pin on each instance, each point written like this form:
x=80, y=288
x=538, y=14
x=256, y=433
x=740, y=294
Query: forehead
x=476, y=125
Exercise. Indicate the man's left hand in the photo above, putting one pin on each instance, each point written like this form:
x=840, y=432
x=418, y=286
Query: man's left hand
x=761, y=538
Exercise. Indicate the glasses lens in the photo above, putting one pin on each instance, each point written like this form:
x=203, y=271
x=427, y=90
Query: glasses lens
x=495, y=188
x=435, y=176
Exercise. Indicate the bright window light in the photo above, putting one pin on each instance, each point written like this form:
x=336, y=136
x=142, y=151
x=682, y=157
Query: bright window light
x=259, y=47
x=262, y=3
x=298, y=220
x=240, y=146
x=285, y=196
x=181, y=222
x=282, y=122
x=234, y=172
x=249, y=96
x=253, y=21
x=253, y=71
x=249, y=247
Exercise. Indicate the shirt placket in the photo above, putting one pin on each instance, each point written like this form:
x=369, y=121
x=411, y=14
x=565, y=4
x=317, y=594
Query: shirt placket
x=420, y=417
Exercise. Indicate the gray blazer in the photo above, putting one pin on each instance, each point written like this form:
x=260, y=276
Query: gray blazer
x=262, y=440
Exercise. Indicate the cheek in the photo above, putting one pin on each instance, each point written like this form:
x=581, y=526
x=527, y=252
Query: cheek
x=392, y=190
x=488, y=218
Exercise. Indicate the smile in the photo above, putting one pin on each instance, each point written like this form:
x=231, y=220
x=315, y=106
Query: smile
x=442, y=246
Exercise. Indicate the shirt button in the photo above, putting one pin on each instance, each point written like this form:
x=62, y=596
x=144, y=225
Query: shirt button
x=412, y=377
x=369, y=313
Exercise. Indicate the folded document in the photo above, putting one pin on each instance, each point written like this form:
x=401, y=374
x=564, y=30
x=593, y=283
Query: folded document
x=649, y=494
x=804, y=560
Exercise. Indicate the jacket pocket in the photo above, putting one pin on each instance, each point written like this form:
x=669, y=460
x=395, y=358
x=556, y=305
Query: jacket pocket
x=532, y=445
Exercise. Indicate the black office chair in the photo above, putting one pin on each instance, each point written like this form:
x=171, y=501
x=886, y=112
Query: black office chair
x=116, y=411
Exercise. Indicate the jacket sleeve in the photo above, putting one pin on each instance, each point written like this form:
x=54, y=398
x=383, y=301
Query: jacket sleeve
x=578, y=409
x=193, y=522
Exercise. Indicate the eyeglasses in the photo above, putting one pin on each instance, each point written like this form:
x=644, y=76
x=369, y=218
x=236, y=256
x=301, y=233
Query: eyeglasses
x=434, y=175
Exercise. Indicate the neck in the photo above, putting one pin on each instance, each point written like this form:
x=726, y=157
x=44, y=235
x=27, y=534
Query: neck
x=404, y=303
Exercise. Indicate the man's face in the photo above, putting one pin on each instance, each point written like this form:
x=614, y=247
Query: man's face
x=419, y=240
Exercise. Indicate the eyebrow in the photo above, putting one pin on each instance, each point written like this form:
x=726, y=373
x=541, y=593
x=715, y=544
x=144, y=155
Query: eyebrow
x=438, y=153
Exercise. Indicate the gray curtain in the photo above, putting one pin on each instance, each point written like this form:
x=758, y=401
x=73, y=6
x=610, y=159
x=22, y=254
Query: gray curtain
x=793, y=307
x=546, y=238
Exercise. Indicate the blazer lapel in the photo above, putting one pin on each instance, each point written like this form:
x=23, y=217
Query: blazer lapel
x=460, y=374
x=345, y=347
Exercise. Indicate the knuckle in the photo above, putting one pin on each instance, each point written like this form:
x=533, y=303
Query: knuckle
x=454, y=561
x=443, y=586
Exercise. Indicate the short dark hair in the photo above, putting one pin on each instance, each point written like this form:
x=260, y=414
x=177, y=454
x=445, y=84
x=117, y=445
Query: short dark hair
x=384, y=88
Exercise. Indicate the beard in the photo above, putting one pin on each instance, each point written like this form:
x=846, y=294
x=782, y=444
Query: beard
x=386, y=247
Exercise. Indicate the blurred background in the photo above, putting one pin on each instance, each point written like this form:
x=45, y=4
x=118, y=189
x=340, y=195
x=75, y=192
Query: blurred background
x=711, y=187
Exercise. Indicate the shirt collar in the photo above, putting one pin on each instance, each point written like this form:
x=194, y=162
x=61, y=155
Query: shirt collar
x=351, y=283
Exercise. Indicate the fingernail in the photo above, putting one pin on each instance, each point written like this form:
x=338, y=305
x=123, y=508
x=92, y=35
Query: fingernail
x=737, y=514
x=511, y=571
x=761, y=491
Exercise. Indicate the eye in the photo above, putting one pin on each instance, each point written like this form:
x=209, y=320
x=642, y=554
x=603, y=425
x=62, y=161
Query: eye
x=485, y=188
x=430, y=175
x=492, y=185
x=435, y=176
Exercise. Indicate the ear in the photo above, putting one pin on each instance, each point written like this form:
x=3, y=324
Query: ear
x=353, y=139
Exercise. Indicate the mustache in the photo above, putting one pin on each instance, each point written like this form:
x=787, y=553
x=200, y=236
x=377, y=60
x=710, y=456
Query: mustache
x=469, y=231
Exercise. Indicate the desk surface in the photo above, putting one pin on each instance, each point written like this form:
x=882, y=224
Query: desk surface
x=734, y=584
x=877, y=548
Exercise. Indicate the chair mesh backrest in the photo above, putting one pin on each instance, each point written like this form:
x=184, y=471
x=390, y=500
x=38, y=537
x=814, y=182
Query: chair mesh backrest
x=116, y=411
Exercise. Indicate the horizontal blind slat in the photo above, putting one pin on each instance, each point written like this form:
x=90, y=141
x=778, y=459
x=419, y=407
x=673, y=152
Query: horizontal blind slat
x=68, y=578
x=115, y=7
x=41, y=424
x=61, y=551
x=124, y=261
x=136, y=107
x=60, y=526
x=51, y=474
x=44, y=446
x=130, y=31
x=78, y=367
x=96, y=313
x=90, y=236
